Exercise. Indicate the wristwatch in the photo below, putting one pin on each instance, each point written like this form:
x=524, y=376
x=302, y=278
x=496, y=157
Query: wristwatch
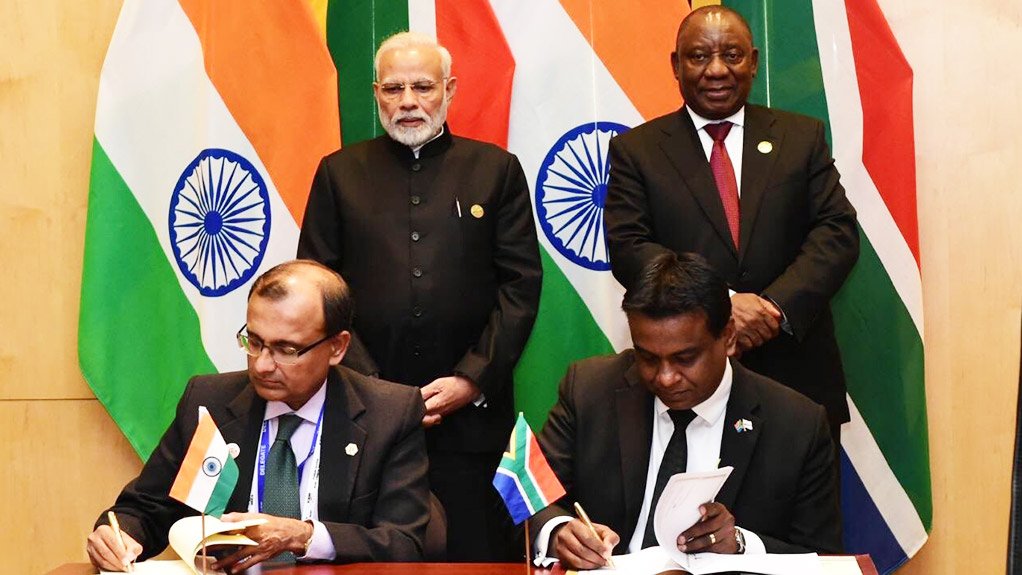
x=740, y=540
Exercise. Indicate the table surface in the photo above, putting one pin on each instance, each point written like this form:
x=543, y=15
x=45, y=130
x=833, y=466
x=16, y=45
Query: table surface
x=865, y=565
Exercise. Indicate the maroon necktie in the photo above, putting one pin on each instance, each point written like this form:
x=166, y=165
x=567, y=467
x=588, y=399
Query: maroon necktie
x=724, y=174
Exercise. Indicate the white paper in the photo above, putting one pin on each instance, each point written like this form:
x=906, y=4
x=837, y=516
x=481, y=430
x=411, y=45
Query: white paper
x=656, y=561
x=678, y=507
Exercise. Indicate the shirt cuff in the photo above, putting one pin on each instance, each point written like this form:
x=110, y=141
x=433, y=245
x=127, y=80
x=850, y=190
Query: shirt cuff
x=785, y=325
x=321, y=547
x=753, y=544
x=542, y=543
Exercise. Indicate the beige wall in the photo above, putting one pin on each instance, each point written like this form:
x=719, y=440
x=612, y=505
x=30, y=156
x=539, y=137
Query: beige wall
x=64, y=460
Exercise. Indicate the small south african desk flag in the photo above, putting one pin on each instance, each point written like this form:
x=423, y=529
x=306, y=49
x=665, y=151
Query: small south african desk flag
x=524, y=478
x=208, y=472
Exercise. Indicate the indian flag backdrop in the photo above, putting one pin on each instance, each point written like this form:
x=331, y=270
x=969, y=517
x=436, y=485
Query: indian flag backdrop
x=211, y=119
x=553, y=80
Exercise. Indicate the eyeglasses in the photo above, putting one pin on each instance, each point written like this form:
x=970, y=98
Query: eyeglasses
x=280, y=354
x=421, y=88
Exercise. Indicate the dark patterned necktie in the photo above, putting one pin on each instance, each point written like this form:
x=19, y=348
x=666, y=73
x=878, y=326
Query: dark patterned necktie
x=675, y=461
x=724, y=175
x=280, y=490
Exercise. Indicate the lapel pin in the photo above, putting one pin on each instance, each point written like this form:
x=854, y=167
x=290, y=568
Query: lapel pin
x=765, y=147
x=233, y=450
x=477, y=211
x=351, y=449
x=743, y=425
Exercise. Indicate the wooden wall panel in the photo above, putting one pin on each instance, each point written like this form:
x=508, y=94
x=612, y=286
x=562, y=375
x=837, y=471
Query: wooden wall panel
x=969, y=151
x=65, y=460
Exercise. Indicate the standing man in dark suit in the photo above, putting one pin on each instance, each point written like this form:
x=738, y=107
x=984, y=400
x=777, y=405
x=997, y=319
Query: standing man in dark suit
x=624, y=424
x=752, y=189
x=435, y=234
x=356, y=488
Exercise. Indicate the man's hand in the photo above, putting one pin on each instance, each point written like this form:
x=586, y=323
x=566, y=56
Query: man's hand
x=757, y=320
x=445, y=395
x=106, y=552
x=576, y=547
x=715, y=520
x=277, y=535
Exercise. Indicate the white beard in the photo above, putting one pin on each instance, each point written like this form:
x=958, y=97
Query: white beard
x=414, y=137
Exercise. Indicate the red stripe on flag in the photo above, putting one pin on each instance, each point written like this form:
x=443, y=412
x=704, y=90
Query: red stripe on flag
x=483, y=65
x=546, y=481
x=888, y=140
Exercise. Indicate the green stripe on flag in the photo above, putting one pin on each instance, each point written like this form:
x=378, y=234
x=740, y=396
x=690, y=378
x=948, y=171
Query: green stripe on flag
x=883, y=358
x=789, y=63
x=223, y=489
x=565, y=332
x=138, y=335
x=354, y=29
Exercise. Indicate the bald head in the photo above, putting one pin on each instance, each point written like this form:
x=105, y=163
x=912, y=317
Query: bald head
x=281, y=280
x=712, y=14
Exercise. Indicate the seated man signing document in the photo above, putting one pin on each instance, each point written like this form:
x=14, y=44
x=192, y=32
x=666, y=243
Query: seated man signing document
x=359, y=492
x=624, y=424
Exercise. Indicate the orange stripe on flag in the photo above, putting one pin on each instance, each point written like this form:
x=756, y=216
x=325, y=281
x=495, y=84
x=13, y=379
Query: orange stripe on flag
x=547, y=482
x=193, y=458
x=483, y=65
x=270, y=65
x=634, y=40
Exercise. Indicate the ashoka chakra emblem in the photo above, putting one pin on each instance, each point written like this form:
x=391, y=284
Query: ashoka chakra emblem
x=571, y=189
x=219, y=221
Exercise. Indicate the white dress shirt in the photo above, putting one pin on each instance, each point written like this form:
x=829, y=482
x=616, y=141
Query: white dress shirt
x=321, y=547
x=702, y=437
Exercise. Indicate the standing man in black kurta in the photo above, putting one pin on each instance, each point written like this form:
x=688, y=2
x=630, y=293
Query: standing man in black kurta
x=436, y=237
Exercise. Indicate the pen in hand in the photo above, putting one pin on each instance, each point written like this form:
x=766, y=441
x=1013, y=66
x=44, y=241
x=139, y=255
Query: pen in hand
x=585, y=519
x=117, y=530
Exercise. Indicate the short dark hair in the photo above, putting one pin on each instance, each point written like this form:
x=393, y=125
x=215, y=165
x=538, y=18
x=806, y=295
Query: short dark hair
x=338, y=303
x=687, y=20
x=678, y=284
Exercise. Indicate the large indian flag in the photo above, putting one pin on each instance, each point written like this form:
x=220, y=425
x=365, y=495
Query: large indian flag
x=211, y=120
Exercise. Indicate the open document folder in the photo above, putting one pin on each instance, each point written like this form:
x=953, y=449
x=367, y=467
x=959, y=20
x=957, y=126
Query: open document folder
x=186, y=540
x=676, y=511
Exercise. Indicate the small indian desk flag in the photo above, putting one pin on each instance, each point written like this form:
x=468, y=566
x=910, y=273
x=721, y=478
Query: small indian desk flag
x=208, y=473
x=524, y=478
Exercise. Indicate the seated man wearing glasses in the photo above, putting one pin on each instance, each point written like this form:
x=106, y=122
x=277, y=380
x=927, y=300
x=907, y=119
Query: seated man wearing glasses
x=334, y=460
x=435, y=234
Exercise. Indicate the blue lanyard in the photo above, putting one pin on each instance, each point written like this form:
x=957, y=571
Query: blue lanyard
x=264, y=449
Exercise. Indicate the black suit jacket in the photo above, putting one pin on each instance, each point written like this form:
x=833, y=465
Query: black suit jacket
x=437, y=294
x=375, y=504
x=798, y=231
x=598, y=436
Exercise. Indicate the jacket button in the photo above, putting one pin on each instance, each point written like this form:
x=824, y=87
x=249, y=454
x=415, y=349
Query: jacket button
x=416, y=167
x=415, y=236
x=416, y=200
x=417, y=311
x=417, y=272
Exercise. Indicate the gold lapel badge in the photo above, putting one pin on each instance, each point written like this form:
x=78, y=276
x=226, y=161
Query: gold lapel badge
x=351, y=449
x=477, y=211
x=765, y=147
